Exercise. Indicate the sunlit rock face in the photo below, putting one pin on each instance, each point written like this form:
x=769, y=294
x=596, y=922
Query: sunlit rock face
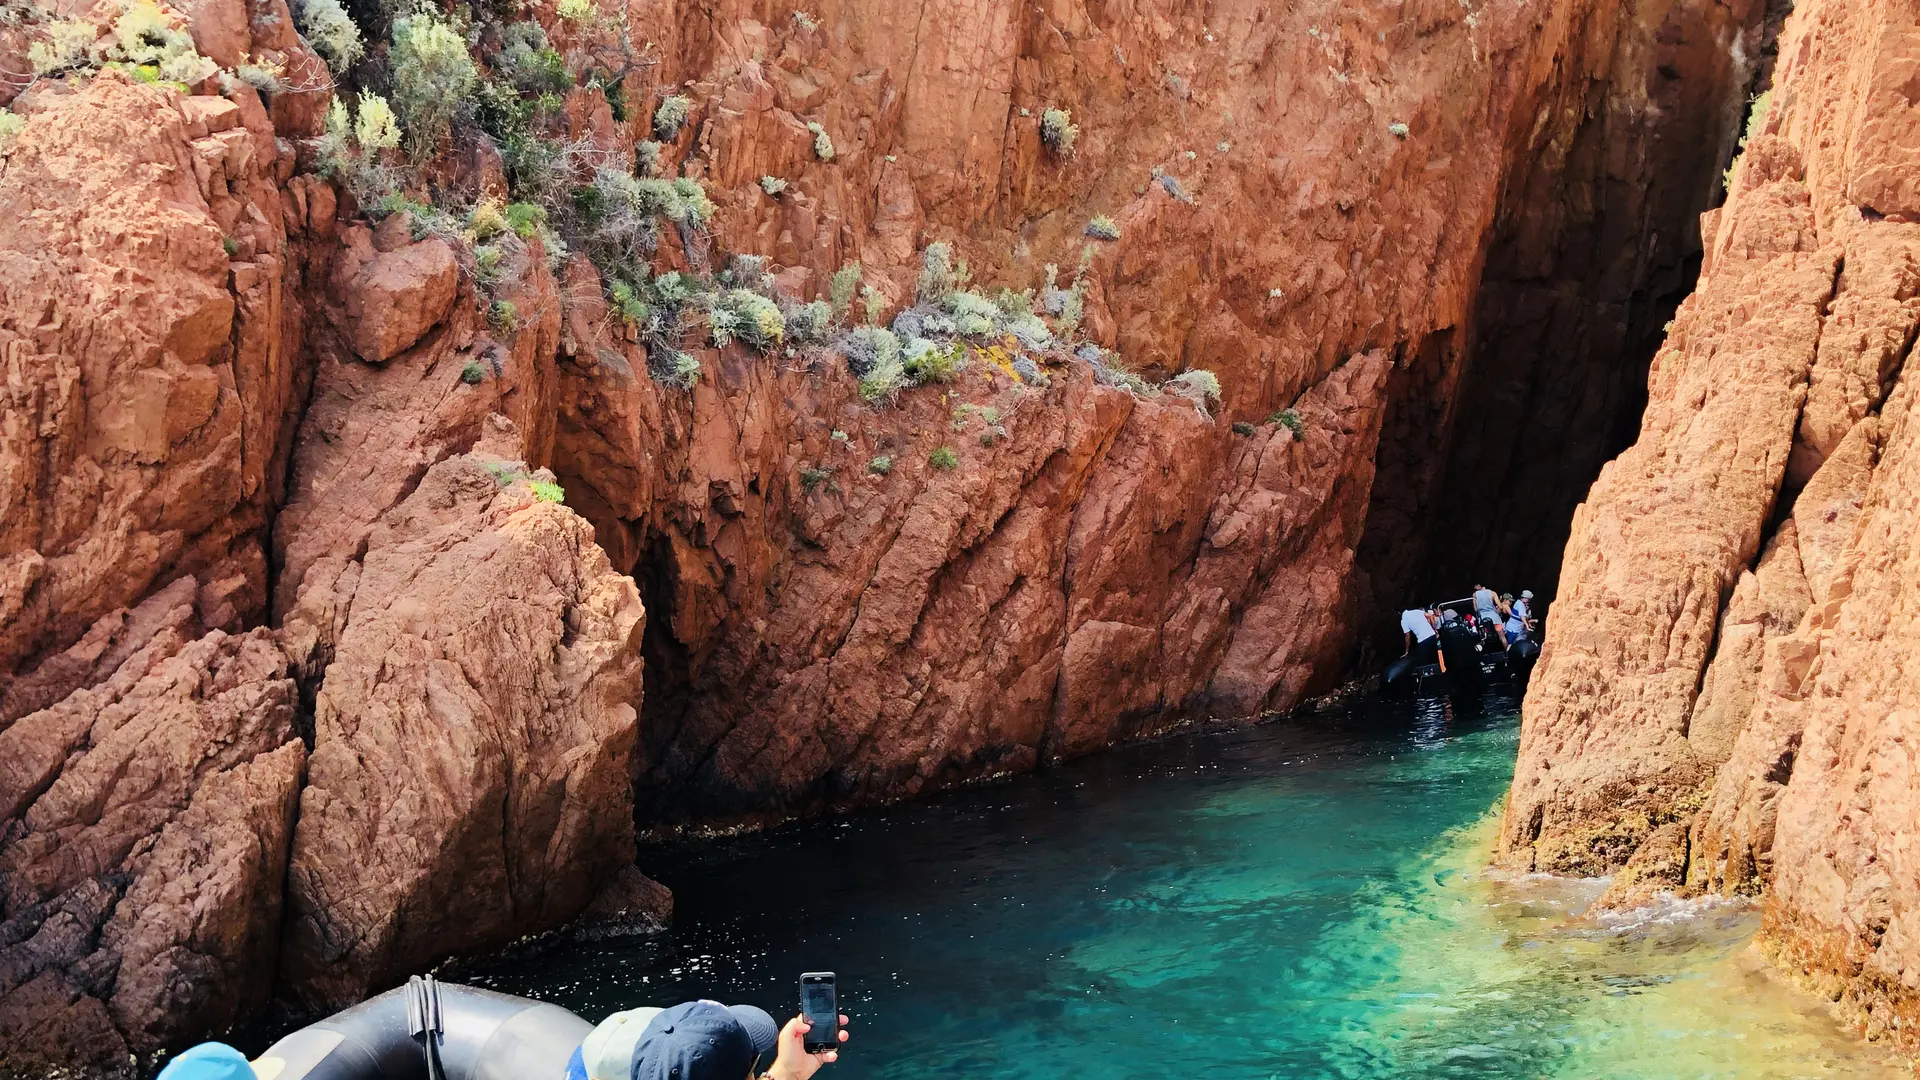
x=1730, y=656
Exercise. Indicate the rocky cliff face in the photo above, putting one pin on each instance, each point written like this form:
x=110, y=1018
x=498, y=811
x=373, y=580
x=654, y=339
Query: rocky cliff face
x=1723, y=696
x=281, y=574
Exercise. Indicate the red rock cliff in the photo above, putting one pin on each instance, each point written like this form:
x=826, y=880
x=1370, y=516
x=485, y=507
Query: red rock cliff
x=284, y=588
x=1726, y=690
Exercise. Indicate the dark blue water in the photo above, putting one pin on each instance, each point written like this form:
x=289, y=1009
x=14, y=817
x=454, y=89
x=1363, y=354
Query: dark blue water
x=1303, y=899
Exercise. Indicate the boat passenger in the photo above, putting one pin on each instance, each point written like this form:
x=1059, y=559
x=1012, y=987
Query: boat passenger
x=1520, y=617
x=1486, y=613
x=697, y=1040
x=209, y=1061
x=1417, y=626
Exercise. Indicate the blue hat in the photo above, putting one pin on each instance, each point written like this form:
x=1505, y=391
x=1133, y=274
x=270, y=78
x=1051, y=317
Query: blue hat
x=209, y=1061
x=703, y=1040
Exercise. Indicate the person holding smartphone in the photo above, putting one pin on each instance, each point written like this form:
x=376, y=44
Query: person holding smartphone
x=700, y=1040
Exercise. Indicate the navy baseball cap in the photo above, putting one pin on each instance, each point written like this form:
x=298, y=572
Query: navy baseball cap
x=704, y=1040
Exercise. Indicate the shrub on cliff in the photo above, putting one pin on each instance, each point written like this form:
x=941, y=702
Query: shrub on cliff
x=1102, y=227
x=868, y=348
x=1756, y=119
x=433, y=78
x=332, y=33
x=808, y=322
x=154, y=45
x=927, y=361
x=670, y=117
x=352, y=149
x=1198, y=385
x=11, y=125
x=880, y=465
x=937, y=277
x=943, y=458
x=822, y=145
x=646, y=157
x=841, y=289
x=773, y=185
x=743, y=314
x=1057, y=131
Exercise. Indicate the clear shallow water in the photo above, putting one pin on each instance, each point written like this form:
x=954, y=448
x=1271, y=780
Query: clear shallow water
x=1304, y=899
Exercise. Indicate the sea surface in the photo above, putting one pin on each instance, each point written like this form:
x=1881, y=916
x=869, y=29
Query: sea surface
x=1303, y=899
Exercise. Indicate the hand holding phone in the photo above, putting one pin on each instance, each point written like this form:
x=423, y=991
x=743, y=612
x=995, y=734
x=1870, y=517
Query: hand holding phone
x=820, y=1005
x=813, y=1038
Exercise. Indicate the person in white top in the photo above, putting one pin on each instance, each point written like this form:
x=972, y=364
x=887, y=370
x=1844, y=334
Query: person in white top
x=1417, y=627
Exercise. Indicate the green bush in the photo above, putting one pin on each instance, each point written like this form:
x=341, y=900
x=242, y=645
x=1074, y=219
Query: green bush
x=487, y=259
x=880, y=465
x=812, y=477
x=504, y=316
x=1398, y=130
x=543, y=71
x=676, y=369
x=548, y=491
x=772, y=185
x=943, y=459
x=810, y=321
x=473, y=374
x=1241, y=427
x=332, y=33
x=927, y=361
x=973, y=315
x=433, y=78
x=884, y=382
x=748, y=316
x=646, y=157
x=1288, y=419
x=1199, y=385
x=627, y=305
x=1057, y=131
x=840, y=290
x=937, y=277
x=11, y=125
x=870, y=347
x=671, y=116
x=1756, y=119
x=525, y=218
x=1102, y=227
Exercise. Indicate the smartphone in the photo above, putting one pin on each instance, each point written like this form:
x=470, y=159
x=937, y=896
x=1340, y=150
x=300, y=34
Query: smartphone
x=820, y=1004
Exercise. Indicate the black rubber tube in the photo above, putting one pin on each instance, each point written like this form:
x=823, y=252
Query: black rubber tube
x=485, y=1036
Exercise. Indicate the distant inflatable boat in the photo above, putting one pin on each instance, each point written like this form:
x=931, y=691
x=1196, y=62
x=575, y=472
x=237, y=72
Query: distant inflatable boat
x=1471, y=664
x=430, y=1030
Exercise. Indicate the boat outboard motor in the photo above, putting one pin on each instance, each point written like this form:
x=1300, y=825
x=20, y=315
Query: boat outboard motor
x=1461, y=647
x=430, y=1030
x=1520, y=658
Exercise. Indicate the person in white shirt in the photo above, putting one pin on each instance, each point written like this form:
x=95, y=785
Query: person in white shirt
x=1417, y=628
x=1520, y=622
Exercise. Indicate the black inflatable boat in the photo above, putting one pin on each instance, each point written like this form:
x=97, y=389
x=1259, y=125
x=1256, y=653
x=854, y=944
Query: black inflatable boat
x=430, y=1030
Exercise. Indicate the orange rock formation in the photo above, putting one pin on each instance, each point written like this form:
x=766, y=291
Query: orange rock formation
x=270, y=545
x=1725, y=695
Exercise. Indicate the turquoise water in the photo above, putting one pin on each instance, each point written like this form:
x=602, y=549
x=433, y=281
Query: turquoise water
x=1303, y=899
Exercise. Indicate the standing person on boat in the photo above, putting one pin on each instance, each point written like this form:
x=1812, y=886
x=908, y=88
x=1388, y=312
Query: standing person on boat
x=1520, y=617
x=1417, y=626
x=1486, y=613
